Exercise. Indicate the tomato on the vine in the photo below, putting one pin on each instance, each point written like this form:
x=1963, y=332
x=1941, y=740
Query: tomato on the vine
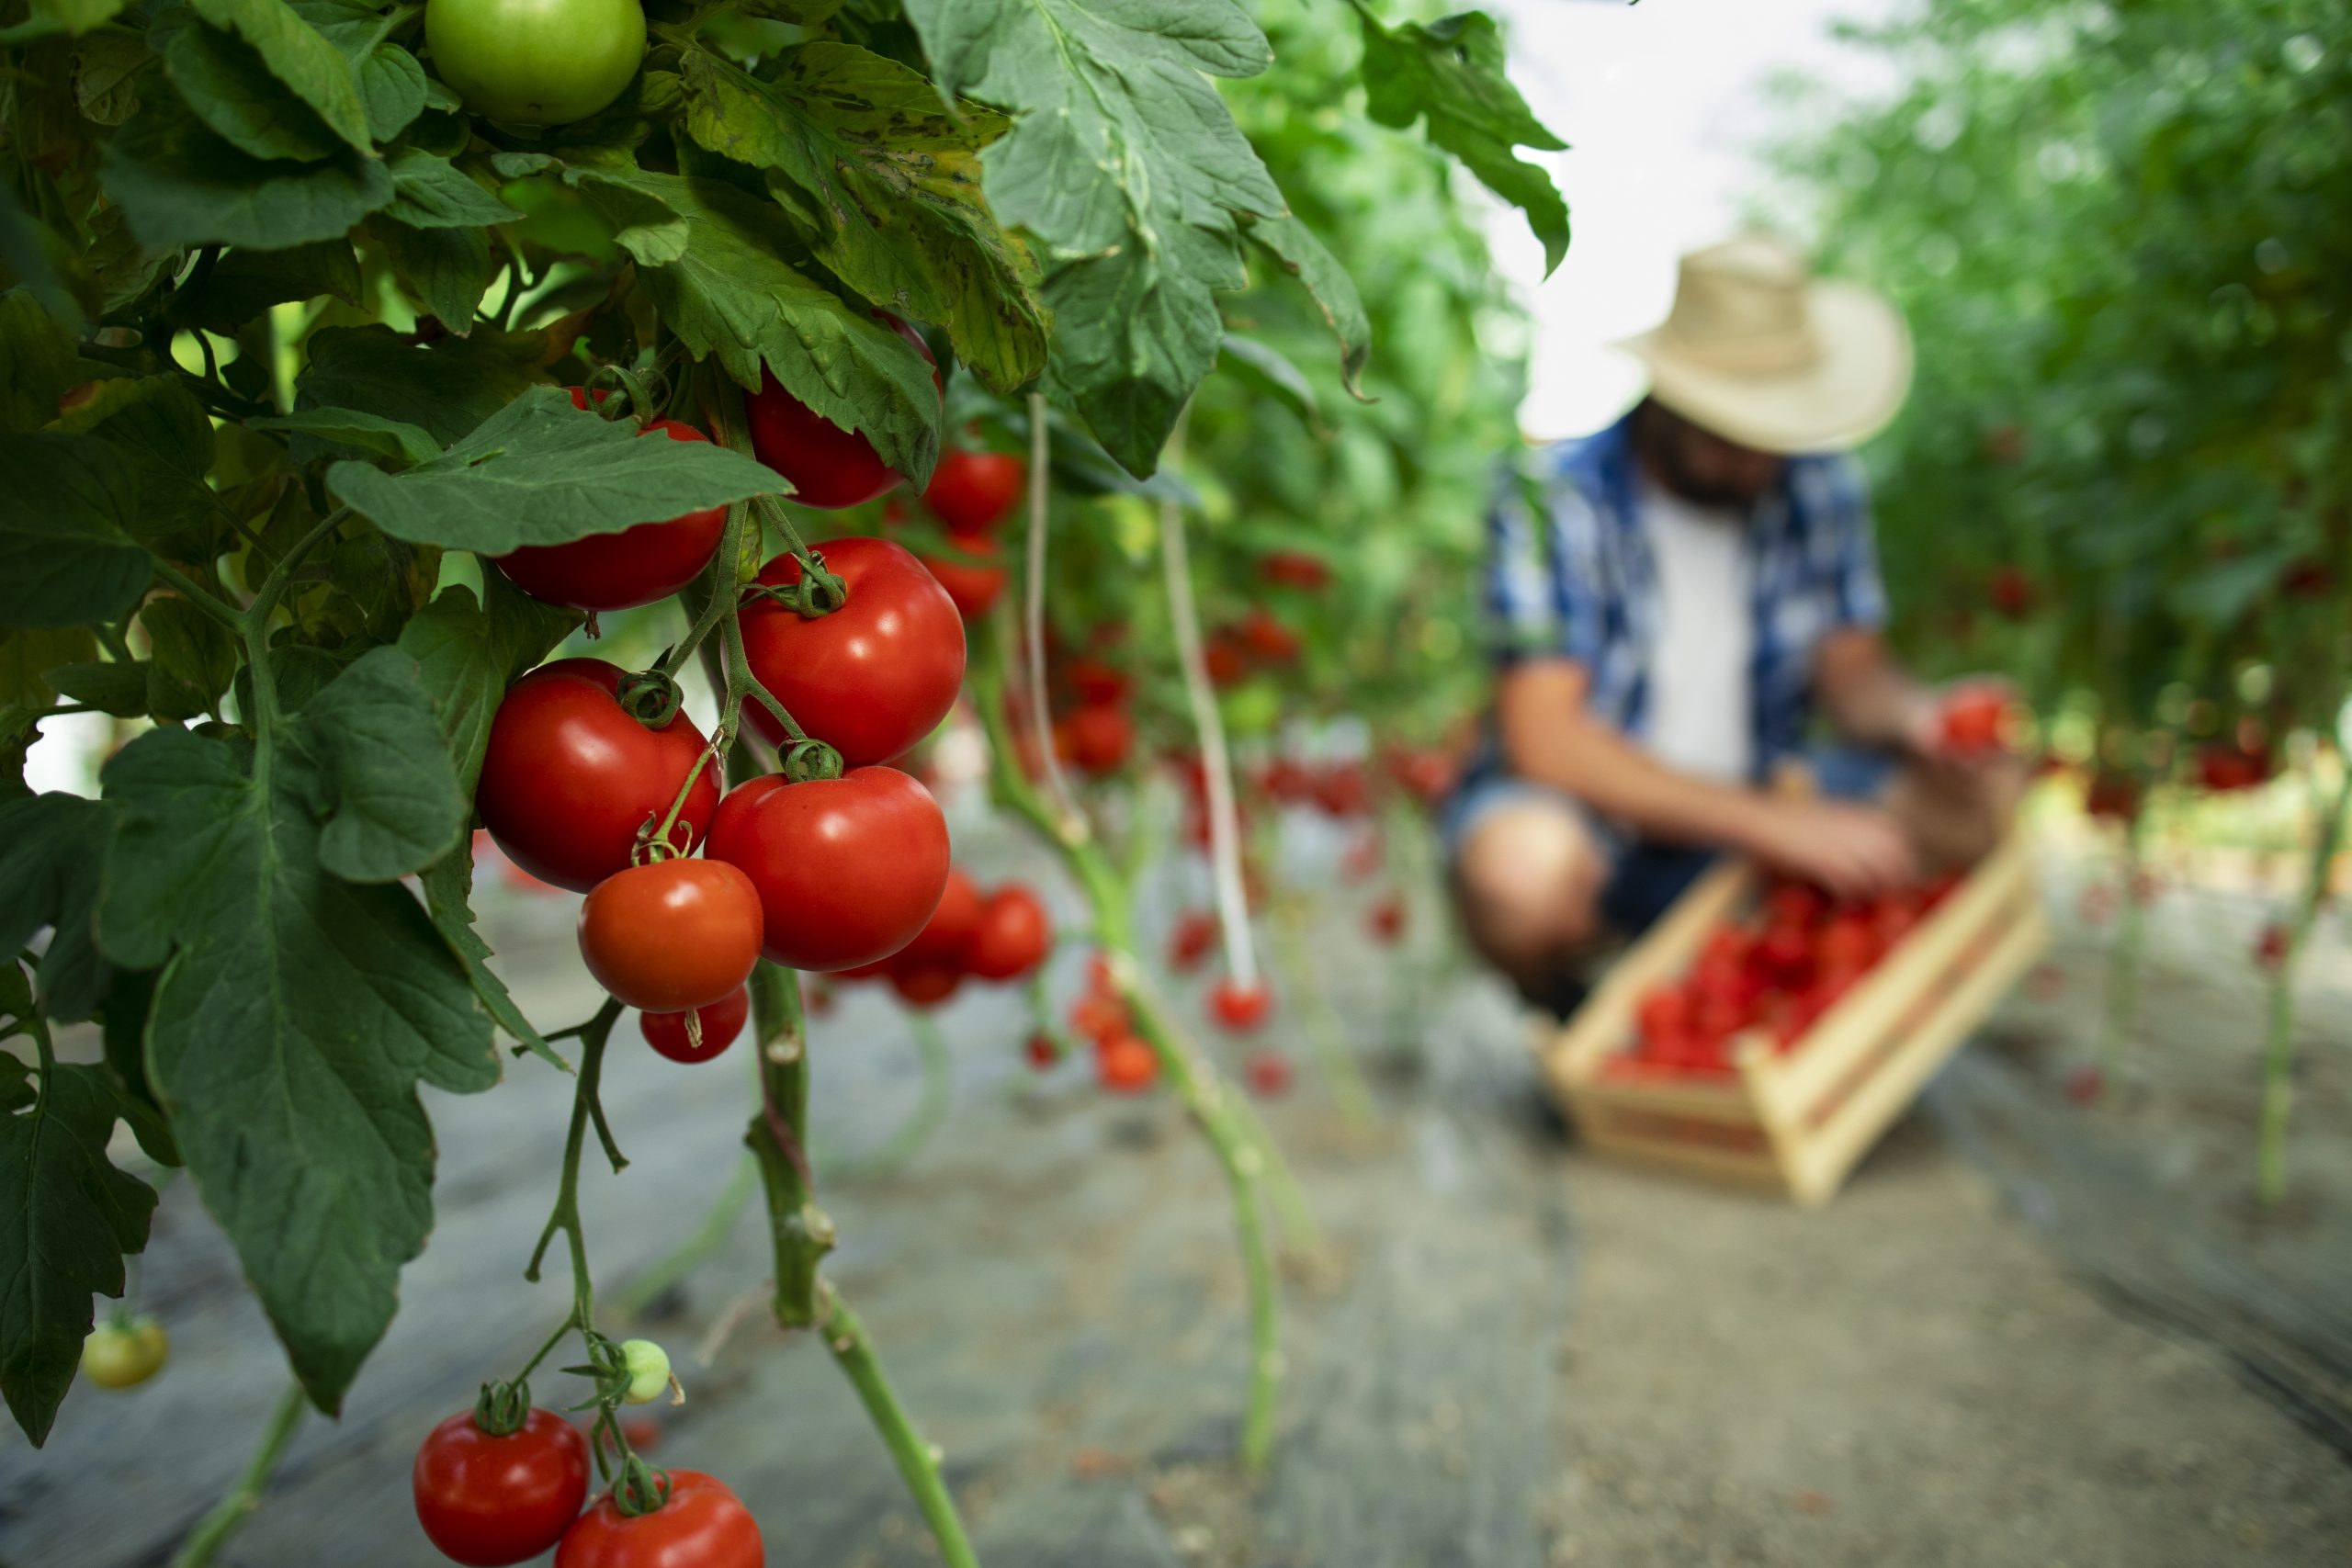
x=569, y=777
x=871, y=678
x=848, y=870
x=829, y=467
x=489, y=1500
x=671, y=935
x=975, y=584
x=926, y=985
x=701, y=1524
x=1188, y=943
x=1100, y=735
x=620, y=571
x=535, y=62
x=972, y=491
x=1013, y=935
x=1268, y=1073
x=1385, y=920
x=1238, y=1009
x=124, y=1352
x=1041, y=1050
x=1295, y=568
x=719, y=1024
x=1124, y=1065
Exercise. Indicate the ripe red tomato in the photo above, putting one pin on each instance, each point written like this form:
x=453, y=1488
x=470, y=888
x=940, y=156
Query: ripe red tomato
x=945, y=938
x=671, y=935
x=972, y=491
x=974, y=588
x=702, y=1525
x=2223, y=767
x=1124, y=1065
x=1386, y=921
x=1663, y=1013
x=1101, y=735
x=721, y=1021
x=829, y=466
x=1014, y=935
x=1268, y=638
x=1195, y=934
x=1847, y=943
x=2270, y=947
x=1097, y=682
x=1228, y=660
x=489, y=1500
x=875, y=676
x=620, y=571
x=1268, y=1074
x=1041, y=1050
x=1098, y=1017
x=847, y=869
x=1784, y=951
x=1237, y=1009
x=1972, y=720
x=2011, y=593
x=1796, y=904
x=924, y=986
x=1295, y=568
x=568, y=778
x=1344, y=790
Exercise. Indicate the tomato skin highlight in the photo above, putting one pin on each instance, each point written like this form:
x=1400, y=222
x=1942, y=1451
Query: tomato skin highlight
x=974, y=491
x=703, y=1525
x=848, y=870
x=722, y=1022
x=875, y=676
x=829, y=467
x=535, y=62
x=1012, y=937
x=490, y=1501
x=620, y=571
x=673, y=935
x=569, y=777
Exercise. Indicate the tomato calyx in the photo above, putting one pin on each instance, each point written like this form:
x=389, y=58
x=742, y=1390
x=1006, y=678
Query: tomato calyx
x=641, y=1488
x=810, y=761
x=650, y=696
x=817, y=593
x=502, y=1408
x=633, y=405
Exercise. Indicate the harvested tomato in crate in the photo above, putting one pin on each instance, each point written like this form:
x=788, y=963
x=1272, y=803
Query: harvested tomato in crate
x=1762, y=1032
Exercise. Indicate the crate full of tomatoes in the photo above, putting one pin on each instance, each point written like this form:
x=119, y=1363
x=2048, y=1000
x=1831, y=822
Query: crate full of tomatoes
x=1763, y=1034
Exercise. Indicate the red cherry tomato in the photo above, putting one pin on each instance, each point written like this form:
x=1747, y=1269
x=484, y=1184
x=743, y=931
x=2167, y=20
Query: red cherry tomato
x=1295, y=568
x=620, y=571
x=1972, y=720
x=1848, y=943
x=1237, y=1009
x=829, y=466
x=1012, y=937
x=873, y=677
x=568, y=778
x=974, y=588
x=1041, y=1051
x=847, y=869
x=1663, y=1013
x=946, y=937
x=1268, y=1073
x=1195, y=934
x=701, y=1525
x=1268, y=638
x=673, y=935
x=1386, y=921
x=1101, y=735
x=1096, y=682
x=972, y=491
x=720, y=1022
x=1099, y=1018
x=2011, y=593
x=489, y=1500
x=1228, y=660
x=1798, y=904
x=924, y=986
x=1124, y=1065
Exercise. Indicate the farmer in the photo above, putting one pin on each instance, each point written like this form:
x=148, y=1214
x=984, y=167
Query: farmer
x=1676, y=601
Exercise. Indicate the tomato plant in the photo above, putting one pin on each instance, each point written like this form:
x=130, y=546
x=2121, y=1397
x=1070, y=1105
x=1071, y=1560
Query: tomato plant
x=125, y=1351
x=829, y=466
x=673, y=935
x=847, y=870
x=488, y=1498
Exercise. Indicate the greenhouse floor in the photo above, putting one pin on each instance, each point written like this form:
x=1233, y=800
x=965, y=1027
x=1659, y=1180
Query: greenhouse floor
x=1504, y=1353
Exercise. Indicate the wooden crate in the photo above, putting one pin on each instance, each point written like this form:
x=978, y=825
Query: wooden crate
x=1798, y=1121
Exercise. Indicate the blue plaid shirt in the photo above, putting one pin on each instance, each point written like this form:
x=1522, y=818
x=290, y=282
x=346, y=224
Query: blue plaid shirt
x=1571, y=575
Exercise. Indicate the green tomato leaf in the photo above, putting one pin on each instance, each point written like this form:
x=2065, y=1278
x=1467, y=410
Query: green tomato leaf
x=884, y=182
x=470, y=652
x=49, y=850
x=391, y=90
x=542, y=472
x=1305, y=257
x=403, y=445
x=229, y=86
x=195, y=658
x=305, y=996
x=298, y=55
x=242, y=284
x=447, y=270
x=1267, y=369
x=1126, y=165
x=66, y=556
x=181, y=184
x=1450, y=74
x=157, y=430
x=118, y=688
x=106, y=71
x=49, y=18
x=444, y=388
x=713, y=259
x=37, y=362
x=122, y=1013
x=29, y=655
x=70, y=1219
x=433, y=193
x=448, y=890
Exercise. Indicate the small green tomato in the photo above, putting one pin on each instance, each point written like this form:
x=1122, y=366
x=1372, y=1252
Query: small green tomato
x=124, y=1352
x=535, y=62
x=648, y=1371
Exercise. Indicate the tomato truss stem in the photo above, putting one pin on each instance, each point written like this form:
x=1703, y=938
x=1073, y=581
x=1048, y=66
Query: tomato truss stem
x=2278, y=1050
x=216, y=1526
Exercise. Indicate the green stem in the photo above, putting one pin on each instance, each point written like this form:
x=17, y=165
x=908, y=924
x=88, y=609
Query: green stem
x=2279, y=1055
x=2123, y=957
x=230, y=1512
x=566, y=1215
x=918, y=1462
x=203, y=598
x=716, y=1225
x=1325, y=1036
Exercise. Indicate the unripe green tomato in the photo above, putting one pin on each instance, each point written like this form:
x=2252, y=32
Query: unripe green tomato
x=125, y=1352
x=535, y=62
x=1252, y=709
x=648, y=1371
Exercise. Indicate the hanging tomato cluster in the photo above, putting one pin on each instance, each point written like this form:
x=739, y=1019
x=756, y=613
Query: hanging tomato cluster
x=1124, y=1063
x=970, y=493
x=999, y=937
x=1777, y=974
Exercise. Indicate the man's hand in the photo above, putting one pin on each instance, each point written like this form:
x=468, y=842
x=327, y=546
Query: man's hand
x=1853, y=851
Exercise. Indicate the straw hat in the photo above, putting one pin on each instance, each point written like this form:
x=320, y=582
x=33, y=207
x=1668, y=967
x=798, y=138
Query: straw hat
x=1761, y=352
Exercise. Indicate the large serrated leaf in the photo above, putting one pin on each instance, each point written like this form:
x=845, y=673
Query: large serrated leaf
x=158, y=430
x=449, y=889
x=1306, y=258
x=542, y=472
x=227, y=84
x=181, y=184
x=298, y=1009
x=470, y=652
x=66, y=554
x=431, y=192
x=49, y=848
x=884, y=182
x=403, y=445
x=447, y=270
x=242, y=284
x=445, y=389
x=298, y=55
x=36, y=362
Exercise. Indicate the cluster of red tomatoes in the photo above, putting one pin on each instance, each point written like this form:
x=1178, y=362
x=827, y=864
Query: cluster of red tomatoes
x=1776, y=975
x=999, y=936
x=1094, y=729
x=970, y=493
x=1123, y=1061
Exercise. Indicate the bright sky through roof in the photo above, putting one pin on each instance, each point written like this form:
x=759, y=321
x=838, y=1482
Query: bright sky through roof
x=1660, y=104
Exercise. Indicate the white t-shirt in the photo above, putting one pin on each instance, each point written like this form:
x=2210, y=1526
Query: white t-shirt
x=1701, y=705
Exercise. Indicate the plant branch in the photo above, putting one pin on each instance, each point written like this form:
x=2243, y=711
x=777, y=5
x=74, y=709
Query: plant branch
x=216, y=1527
x=2279, y=1053
x=1041, y=721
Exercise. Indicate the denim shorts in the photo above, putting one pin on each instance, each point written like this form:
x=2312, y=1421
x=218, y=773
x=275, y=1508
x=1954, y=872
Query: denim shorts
x=1644, y=877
